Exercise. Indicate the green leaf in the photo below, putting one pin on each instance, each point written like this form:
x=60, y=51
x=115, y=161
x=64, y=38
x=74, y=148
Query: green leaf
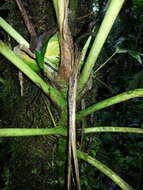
x=41, y=50
x=135, y=54
x=40, y=59
x=53, y=47
x=52, y=54
x=40, y=54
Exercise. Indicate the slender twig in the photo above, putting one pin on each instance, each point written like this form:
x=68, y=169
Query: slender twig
x=49, y=111
x=27, y=21
x=105, y=62
x=104, y=84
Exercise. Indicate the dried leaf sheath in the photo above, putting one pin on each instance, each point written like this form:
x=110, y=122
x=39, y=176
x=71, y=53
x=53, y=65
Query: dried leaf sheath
x=68, y=72
x=72, y=128
x=66, y=41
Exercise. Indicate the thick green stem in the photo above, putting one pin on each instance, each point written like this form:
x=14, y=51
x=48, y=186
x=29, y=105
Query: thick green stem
x=12, y=132
x=110, y=101
x=12, y=32
x=104, y=169
x=113, y=129
x=104, y=30
x=51, y=92
x=18, y=132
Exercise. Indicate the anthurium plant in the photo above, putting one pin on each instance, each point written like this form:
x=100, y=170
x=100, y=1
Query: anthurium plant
x=54, y=59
